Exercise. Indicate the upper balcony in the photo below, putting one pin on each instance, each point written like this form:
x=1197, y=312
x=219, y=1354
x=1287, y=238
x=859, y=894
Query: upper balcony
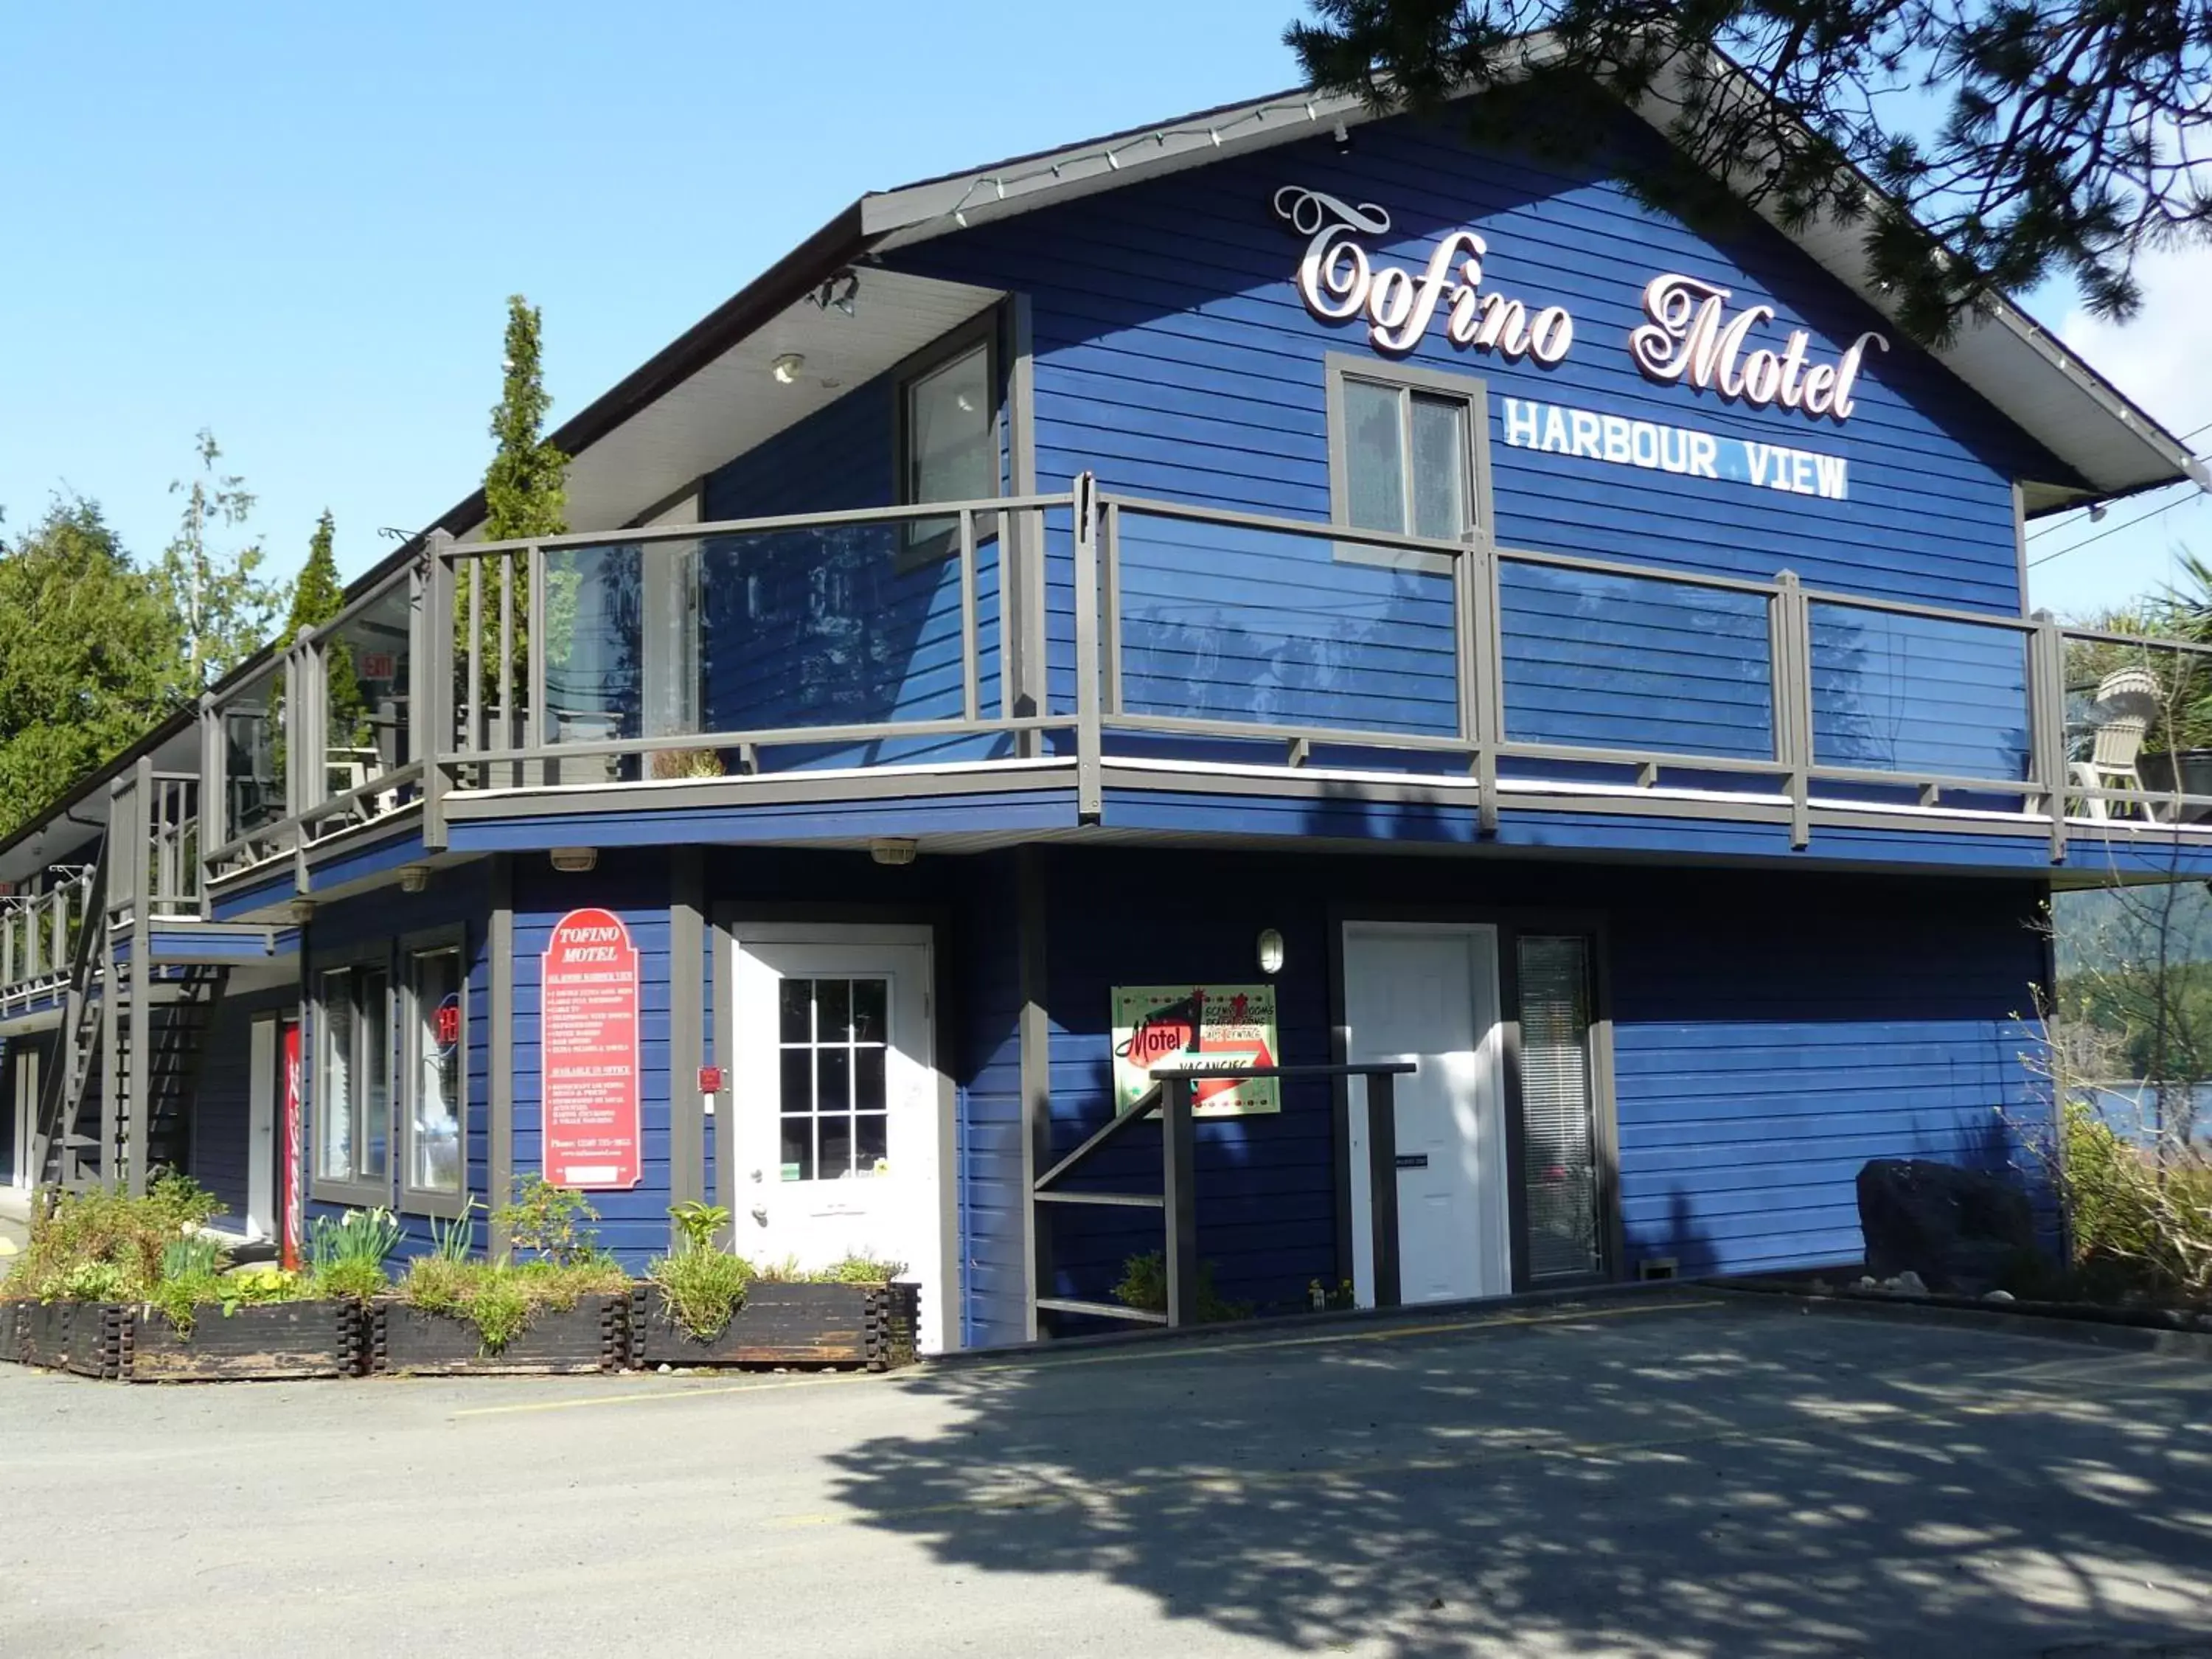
x=1009, y=668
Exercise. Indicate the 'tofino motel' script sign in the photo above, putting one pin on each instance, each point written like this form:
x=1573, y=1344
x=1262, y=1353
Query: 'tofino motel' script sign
x=1689, y=338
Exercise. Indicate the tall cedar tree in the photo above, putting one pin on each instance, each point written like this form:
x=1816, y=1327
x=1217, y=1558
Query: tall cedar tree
x=526, y=494
x=2072, y=138
x=91, y=657
x=317, y=597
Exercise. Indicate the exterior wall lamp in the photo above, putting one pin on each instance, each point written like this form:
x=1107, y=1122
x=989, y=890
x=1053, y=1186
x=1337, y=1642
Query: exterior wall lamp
x=1271, y=952
x=894, y=853
x=414, y=878
x=575, y=860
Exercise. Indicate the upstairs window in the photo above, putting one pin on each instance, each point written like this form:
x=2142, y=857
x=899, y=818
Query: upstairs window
x=353, y=1104
x=1406, y=458
x=948, y=444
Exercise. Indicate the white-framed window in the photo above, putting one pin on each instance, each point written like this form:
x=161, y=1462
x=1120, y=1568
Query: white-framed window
x=1407, y=456
x=833, y=1038
x=353, y=1083
x=434, y=1089
x=948, y=442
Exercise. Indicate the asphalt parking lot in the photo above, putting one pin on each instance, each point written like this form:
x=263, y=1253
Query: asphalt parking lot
x=1695, y=1473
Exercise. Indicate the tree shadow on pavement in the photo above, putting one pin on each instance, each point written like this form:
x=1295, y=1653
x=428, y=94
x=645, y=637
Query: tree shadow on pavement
x=1693, y=1474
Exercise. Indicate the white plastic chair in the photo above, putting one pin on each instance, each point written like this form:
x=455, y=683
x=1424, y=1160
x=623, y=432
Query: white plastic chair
x=2126, y=700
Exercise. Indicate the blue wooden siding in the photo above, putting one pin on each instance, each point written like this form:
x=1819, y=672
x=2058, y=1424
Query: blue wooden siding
x=1771, y=1033
x=1174, y=357
x=633, y=1224
x=1623, y=662
x=987, y=1057
x=1765, y=1051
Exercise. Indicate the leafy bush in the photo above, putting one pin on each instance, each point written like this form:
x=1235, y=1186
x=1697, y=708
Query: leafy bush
x=105, y=1246
x=1143, y=1286
x=2135, y=1214
x=356, y=1238
x=554, y=1223
x=696, y=1224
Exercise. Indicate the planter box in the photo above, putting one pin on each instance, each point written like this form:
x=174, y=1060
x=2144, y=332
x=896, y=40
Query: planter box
x=787, y=1324
x=83, y=1337
x=278, y=1340
x=405, y=1341
x=11, y=1327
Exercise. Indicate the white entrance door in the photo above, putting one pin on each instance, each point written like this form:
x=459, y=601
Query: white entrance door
x=1429, y=993
x=842, y=1145
x=23, y=1102
x=261, y=1130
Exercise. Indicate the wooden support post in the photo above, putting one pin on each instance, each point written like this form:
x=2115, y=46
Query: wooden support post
x=1178, y=1144
x=1382, y=1184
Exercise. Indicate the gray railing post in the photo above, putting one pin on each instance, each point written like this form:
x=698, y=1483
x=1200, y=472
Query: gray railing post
x=1179, y=1191
x=2046, y=701
x=534, y=648
x=434, y=711
x=214, y=795
x=1790, y=646
x=1022, y=580
x=1482, y=675
x=1088, y=791
x=1382, y=1184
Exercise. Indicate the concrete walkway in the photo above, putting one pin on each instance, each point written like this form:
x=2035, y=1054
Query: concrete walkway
x=1696, y=1475
x=15, y=1221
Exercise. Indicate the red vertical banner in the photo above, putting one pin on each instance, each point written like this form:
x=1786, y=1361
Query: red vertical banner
x=292, y=1225
x=588, y=1052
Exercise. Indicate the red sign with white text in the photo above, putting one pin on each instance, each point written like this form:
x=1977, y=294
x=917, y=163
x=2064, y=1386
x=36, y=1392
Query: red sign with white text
x=588, y=1053
x=293, y=1224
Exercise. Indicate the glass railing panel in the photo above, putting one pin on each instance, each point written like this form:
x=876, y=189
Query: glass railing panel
x=1253, y=626
x=252, y=721
x=366, y=667
x=1635, y=663
x=1919, y=696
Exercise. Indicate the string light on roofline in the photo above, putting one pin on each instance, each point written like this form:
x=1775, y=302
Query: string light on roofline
x=1111, y=155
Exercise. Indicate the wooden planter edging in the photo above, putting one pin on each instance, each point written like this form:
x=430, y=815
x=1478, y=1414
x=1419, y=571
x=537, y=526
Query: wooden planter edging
x=272, y=1341
x=592, y=1336
x=786, y=1324
x=11, y=1329
x=86, y=1338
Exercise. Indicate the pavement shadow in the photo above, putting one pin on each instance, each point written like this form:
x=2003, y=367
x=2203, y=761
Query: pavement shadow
x=1691, y=1475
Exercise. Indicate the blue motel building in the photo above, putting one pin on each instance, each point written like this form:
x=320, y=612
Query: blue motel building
x=1283, y=587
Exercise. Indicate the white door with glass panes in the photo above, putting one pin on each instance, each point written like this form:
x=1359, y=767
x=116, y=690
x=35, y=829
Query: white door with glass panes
x=842, y=1143
x=1429, y=993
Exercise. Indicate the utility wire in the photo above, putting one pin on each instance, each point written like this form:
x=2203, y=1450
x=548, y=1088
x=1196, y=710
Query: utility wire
x=2112, y=530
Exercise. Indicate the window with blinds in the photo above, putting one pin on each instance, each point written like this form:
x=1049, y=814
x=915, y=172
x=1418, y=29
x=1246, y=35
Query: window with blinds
x=1559, y=1107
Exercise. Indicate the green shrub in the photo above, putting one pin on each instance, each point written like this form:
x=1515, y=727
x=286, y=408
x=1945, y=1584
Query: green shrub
x=696, y=1224
x=857, y=1268
x=2138, y=1224
x=349, y=1280
x=551, y=1222
x=107, y=1246
x=1143, y=1286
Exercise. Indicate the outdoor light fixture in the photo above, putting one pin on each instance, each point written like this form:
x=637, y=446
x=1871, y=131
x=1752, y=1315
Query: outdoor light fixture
x=414, y=878
x=1271, y=952
x=894, y=853
x=575, y=860
x=2097, y=514
x=1343, y=136
x=785, y=368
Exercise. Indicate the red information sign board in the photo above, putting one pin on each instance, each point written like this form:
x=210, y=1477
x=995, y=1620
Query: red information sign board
x=588, y=1052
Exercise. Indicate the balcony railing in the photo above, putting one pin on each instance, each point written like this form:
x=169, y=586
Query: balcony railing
x=1083, y=631
x=38, y=935
x=322, y=740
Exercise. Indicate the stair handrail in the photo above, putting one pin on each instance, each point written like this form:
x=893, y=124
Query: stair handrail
x=56, y=1088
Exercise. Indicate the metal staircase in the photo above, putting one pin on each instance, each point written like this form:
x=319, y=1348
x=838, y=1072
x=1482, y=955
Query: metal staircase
x=113, y=1106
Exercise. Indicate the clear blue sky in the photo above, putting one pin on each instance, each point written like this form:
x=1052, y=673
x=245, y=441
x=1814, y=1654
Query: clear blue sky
x=297, y=226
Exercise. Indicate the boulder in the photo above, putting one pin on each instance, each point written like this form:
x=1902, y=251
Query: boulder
x=1958, y=1230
